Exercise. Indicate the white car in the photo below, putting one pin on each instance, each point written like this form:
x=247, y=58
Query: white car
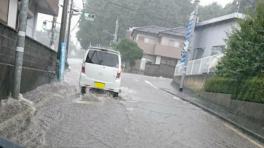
x=101, y=69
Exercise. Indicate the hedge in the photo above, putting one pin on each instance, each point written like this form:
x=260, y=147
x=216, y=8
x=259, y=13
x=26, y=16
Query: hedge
x=251, y=89
x=220, y=85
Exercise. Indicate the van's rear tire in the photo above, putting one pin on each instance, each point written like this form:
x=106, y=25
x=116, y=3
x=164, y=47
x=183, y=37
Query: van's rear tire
x=83, y=90
x=115, y=94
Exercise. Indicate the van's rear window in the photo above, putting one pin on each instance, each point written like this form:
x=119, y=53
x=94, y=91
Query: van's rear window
x=102, y=58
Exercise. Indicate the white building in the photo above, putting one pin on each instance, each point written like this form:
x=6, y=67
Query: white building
x=9, y=12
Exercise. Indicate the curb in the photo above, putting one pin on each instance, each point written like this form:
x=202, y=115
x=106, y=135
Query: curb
x=258, y=137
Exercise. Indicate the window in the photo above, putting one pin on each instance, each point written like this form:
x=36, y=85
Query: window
x=102, y=58
x=146, y=40
x=4, y=5
x=198, y=53
x=217, y=50
x=171, y=43
x=149, y=40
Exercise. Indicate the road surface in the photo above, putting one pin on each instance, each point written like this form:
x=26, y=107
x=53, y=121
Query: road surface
x=143, y=117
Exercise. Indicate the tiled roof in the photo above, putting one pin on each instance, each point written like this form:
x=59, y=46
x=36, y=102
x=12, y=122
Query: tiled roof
x=179, y=31
x=221, y=19
x=156, y=30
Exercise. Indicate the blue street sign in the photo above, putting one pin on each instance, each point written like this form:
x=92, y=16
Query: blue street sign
x=62, y=61
x=188, y=34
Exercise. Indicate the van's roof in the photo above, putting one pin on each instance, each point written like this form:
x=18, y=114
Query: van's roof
x=105, y=49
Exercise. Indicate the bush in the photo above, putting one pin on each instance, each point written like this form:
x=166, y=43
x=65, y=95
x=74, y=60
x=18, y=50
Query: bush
x=220, y=85
x=251, y=90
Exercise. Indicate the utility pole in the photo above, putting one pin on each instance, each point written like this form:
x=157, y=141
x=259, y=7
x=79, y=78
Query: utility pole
x=62, y=45
x=68, y=34
x=238, y=6
x=20, y=47
x=116, y=31
x=53, y=29
x=188, y=39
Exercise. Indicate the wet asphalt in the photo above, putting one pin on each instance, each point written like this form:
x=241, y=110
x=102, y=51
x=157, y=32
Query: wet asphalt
x=143, y=116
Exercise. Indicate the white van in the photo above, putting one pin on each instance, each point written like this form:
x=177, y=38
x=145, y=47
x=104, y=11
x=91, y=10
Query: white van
x=101, y=69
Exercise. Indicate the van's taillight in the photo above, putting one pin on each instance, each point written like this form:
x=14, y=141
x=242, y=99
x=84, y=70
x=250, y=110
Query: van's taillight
x=83, y=69
x=118, y=75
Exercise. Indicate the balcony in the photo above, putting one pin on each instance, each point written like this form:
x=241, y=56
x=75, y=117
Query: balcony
x=200, y=66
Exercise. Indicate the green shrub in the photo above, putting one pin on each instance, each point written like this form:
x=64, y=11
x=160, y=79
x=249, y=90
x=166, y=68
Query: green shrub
x=251, y=90
x=220, y=85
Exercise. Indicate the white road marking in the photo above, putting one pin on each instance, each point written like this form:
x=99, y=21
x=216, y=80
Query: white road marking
x=243, y=135
x=152, y=85
x=130, y=109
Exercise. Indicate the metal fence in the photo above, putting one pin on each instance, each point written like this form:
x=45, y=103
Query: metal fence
x=199, y=66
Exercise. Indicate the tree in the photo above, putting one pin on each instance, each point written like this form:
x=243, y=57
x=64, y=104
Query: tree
x=213, y=10
x=244, y=55
x=130, y=51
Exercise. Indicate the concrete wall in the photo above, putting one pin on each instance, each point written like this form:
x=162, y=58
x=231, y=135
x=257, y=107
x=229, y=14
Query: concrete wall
x=254, y=111
x=206, y=37
x=39, y=64
x=193, y=82
x=251, y=110
x=159, y=70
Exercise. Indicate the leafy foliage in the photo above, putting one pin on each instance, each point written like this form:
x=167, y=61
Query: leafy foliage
x=130, y=51
x=220, y=85
x=250, y=89
x=244, y=55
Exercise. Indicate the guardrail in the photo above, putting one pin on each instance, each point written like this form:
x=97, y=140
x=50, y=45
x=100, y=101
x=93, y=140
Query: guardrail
x=199, y=66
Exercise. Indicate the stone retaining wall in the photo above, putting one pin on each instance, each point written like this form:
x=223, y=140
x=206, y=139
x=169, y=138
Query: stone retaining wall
x=39, y=63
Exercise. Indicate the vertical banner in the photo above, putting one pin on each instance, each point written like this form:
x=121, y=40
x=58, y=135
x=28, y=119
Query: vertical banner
x=62, y=61
x=188, y=38
x=188, y=35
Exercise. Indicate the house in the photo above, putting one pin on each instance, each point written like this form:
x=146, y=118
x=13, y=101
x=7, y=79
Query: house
x=39, y=64
x=208, y=46
x=161, y=46
x=9, y=10
x=209, y=36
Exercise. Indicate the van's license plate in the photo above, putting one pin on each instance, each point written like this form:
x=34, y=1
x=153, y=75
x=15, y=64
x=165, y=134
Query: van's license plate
x=99, y=85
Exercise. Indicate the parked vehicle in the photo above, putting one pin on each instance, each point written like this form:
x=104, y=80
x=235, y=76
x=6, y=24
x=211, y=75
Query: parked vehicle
x=101, y=69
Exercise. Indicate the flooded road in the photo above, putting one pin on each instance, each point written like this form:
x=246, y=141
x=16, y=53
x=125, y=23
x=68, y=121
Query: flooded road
x=143, y=116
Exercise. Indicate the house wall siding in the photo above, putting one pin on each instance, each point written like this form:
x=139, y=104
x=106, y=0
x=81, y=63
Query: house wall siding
x=212, y=35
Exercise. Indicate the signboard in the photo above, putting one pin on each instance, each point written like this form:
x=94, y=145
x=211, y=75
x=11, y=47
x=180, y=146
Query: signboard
x=188, y=35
